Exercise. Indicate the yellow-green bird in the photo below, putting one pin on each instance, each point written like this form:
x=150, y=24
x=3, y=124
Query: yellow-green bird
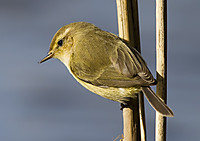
x=104, y=64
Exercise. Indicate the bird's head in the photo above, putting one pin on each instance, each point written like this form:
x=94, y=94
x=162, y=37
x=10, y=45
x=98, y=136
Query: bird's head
x=62, y=43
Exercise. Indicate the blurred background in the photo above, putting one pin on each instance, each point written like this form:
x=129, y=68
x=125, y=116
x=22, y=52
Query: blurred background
x=44, y=103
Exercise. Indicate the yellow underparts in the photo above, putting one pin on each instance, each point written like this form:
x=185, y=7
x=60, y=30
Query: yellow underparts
x=112, y=93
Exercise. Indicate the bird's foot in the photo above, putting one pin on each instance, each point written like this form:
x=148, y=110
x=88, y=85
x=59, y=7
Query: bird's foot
x=124, y=105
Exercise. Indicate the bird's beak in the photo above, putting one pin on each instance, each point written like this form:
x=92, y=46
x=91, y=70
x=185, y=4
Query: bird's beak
x=49, y=56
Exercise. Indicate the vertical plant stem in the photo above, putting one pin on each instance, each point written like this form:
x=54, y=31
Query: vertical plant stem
x=142, y=117
x=137, y=46
x=161, y=64
x=128, y=24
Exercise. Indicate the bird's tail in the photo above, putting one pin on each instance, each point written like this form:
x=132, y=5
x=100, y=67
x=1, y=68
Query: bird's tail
x=157, y=103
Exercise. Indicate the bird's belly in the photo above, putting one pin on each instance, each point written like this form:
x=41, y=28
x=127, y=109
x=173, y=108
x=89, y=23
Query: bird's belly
x=112, y=93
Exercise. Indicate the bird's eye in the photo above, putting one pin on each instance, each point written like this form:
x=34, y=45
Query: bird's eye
x=60, y=42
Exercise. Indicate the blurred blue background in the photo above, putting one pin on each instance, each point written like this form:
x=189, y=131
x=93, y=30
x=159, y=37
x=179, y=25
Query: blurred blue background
x=44, y=103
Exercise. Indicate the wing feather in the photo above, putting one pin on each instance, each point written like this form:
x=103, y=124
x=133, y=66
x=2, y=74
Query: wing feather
x=120, y=67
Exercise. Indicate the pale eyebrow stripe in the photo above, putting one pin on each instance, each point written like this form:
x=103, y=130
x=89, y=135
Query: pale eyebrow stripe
x=66, y=31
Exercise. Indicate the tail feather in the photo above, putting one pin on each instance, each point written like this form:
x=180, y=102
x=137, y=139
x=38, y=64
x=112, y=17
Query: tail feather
x=157, y=103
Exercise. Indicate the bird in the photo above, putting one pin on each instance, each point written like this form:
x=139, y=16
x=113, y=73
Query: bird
x=104, y=64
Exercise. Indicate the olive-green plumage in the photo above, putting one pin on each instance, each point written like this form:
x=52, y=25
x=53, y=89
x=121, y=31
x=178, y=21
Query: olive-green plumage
x=104, y=64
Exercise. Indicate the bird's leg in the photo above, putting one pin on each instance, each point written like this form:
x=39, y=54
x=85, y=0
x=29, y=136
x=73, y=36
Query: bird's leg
x=127, y=102
x=124, y=105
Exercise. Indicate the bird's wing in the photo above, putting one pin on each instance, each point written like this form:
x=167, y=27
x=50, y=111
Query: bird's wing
x=129, y=67
x=109, y=63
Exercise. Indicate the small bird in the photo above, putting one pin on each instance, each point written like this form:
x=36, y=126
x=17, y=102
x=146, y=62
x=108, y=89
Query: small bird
x=104, y=64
